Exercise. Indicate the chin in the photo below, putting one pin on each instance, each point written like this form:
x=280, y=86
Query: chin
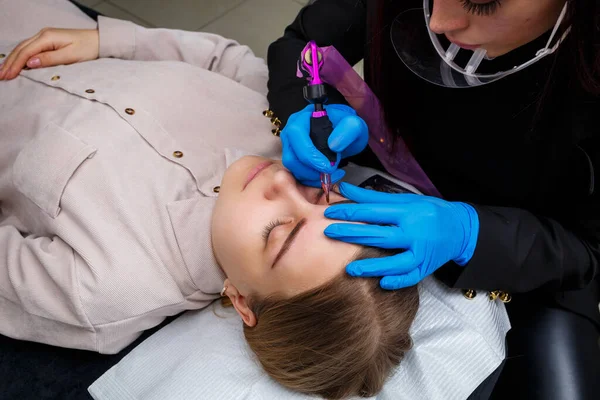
x=498, y=52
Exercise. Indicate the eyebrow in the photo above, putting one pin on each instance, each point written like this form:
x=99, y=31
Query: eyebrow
x=289, y=240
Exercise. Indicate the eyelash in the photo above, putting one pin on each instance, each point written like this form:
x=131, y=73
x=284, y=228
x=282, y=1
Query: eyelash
x=272, y=225
x=481, y=9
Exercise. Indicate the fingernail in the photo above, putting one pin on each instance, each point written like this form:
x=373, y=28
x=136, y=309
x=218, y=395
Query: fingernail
x=342, y=188
x=34, y=63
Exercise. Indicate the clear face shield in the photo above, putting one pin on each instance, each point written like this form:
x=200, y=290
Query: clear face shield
x=435, y=59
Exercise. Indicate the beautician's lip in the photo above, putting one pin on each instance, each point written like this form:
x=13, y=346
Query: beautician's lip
x=257, y=170
x=465, y=46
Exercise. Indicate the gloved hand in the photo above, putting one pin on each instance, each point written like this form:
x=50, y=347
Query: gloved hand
x=431, y=230
x=349, y=137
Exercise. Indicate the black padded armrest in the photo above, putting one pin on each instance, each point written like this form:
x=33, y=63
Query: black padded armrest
x=554, y=355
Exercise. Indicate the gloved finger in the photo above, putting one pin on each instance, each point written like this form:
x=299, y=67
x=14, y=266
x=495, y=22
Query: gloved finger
x=300, y=171
x=393, y=265
x=386, y=237
x=361, y=195
x=386, y=214
x=337, y=112
x=401, y=281
x=359, y=145
x=290, y=161
x=297, y=132
x=349, y=132
x=335, y=177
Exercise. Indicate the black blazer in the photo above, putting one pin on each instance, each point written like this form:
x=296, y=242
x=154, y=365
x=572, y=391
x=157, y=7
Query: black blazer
x=534, y=190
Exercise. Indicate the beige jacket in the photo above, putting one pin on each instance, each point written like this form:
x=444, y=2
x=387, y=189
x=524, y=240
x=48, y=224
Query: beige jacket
x=107, y=176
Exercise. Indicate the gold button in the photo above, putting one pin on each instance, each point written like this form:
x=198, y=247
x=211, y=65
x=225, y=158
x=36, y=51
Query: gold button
x=90, y=91
x=494, y=295
x=177, y=154
x=268, y=113
x=381, y=140
x=55, y=78
x=469, y=294
x=2, y=55
x=276, y=132
x=505, y=297
x=130, y=111
x=275, y=121
x=217, y=189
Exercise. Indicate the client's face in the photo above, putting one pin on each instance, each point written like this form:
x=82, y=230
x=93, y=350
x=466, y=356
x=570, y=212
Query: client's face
x=267, y=231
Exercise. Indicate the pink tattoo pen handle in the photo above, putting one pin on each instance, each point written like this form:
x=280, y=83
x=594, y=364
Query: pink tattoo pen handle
x=320, y=125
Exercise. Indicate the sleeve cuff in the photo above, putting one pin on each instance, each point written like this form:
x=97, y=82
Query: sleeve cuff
x=481, y=271
x=492, y=265
x=117, y=38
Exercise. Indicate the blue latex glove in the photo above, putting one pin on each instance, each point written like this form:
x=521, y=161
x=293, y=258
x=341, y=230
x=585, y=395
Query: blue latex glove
x=431, y=230
x=349, y=137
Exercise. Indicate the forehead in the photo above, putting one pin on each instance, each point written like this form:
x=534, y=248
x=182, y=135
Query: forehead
x=314, y=259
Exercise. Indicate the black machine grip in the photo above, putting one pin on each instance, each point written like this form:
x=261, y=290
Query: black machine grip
x=315, y=94
x=320, y=130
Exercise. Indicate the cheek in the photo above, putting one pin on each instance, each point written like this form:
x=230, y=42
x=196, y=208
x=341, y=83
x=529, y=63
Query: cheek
x=227, y=234
x=237, y=244
x=522, y=22
x=498, y=30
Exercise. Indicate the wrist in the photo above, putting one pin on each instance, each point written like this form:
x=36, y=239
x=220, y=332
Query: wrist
x=469, y=220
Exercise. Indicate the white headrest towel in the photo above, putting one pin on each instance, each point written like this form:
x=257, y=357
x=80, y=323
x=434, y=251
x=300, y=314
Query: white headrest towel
x=203, y=355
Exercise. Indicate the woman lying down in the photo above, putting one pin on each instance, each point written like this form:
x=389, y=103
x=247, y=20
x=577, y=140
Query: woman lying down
x=111, y=172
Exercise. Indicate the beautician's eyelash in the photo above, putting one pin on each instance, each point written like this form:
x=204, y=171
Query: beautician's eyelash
x=486, y=9
x=272, y=225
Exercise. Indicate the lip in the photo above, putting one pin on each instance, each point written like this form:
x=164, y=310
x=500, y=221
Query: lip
x=464, y=45
x=257, y=170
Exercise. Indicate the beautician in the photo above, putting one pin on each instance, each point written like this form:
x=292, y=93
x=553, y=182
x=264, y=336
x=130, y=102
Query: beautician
x=498, y=102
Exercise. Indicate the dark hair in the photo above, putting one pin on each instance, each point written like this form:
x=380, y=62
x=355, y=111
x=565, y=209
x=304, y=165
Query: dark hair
x=343, y=338
x=584, y=42
x=576, y=65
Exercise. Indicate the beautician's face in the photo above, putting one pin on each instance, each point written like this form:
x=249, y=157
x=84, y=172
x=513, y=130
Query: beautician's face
x=498, y=26
x=252, y=222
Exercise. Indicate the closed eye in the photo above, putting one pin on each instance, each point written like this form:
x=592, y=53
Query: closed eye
x=481, y=8
x=269, y=228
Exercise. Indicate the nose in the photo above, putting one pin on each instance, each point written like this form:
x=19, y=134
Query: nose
x=283, y=186
x=448, y=16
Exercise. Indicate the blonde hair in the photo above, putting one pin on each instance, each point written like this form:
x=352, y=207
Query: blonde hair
x=341, y=339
